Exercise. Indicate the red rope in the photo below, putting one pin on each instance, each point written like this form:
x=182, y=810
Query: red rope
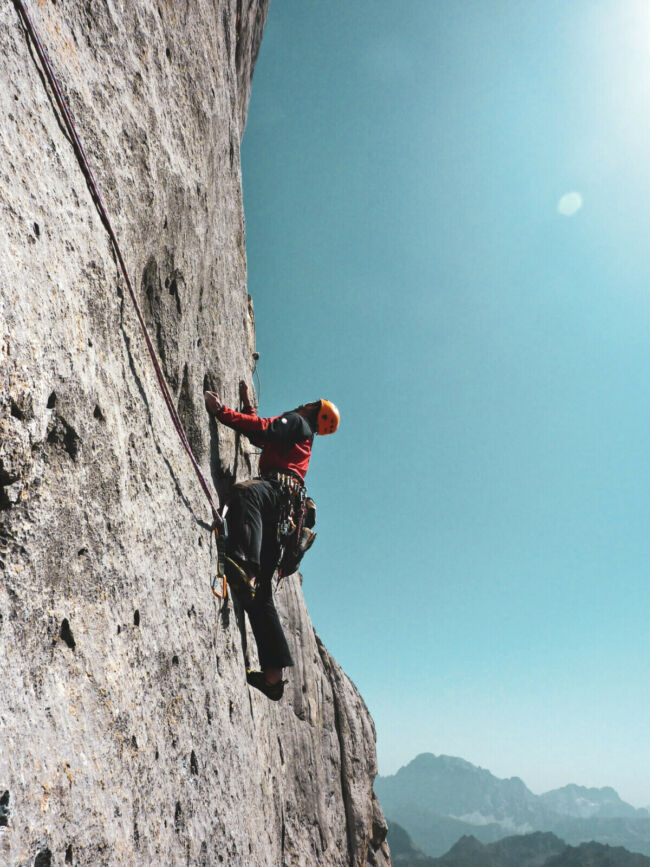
x=103, y=213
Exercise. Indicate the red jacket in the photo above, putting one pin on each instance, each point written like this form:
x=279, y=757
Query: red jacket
x=285, y=440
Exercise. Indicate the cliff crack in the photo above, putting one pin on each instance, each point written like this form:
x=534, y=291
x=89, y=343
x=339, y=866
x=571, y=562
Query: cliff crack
x=345, y=786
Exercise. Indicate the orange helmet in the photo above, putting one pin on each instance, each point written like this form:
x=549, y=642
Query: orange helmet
x=328, y=418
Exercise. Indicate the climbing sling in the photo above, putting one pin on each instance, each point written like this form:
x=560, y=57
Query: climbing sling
x=218, y=522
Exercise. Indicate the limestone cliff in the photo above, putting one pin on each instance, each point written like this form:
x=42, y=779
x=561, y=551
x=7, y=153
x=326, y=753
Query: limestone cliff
x=128, y=734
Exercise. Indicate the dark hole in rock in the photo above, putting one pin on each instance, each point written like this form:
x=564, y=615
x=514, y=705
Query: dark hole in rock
x=82, y=551
x=4, y=810
x=71, y=442
x=6, y=478
x=68, y=855
x=174, y=660
x=173, y=291
x=232, y=154
x=37, y=230
x=119, y=629
x=136, y=617
x=200, y=541
x=51, y=401
x=90, y=343
x=231, y=708
x=62, y=434
x=43, y=859
x=194, y=765
x=165, y=223
x=134, y=742
x=178, y=816
x=99, y=415
x=157, y=754
x=198, y=342
x=168, y=53
x=17, y=412
x=66, y=634
x=226, y=30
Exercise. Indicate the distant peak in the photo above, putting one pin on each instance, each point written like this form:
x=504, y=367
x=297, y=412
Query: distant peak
x=429, y=759
x=602, y=792
x=467, y=843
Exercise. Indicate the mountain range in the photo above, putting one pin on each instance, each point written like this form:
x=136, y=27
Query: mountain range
x=440, y=799
x=530, y=850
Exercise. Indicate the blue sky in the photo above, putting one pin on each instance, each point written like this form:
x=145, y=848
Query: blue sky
x=481, y=570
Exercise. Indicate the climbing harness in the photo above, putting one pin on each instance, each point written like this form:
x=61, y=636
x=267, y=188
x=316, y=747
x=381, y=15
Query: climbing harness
x=218, y=523
x=299, y=543
x=292, y=495
x=296, y=517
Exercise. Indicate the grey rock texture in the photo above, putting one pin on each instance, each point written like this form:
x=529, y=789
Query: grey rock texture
x=128, y=735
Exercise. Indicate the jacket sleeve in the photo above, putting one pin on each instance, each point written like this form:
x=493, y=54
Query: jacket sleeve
x=246, y=421
x=288, y=428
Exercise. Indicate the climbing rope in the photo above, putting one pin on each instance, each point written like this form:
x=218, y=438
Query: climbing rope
x=103, y=213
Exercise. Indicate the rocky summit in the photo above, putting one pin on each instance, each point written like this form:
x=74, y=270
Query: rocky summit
x=128, y=734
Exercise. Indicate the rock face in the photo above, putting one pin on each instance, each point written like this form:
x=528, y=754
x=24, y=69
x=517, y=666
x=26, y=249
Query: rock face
x=128, y=734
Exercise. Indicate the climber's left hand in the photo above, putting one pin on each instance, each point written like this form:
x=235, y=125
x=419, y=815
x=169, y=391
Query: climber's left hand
x=212, y=402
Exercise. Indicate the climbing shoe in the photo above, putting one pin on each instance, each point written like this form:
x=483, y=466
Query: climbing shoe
x=239, y=578
x=274, y=691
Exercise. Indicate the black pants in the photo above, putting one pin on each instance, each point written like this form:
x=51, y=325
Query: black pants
x=252, y=524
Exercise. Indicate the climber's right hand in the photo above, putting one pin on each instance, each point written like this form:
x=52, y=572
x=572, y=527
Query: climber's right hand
x=212, y=402
x=243, y=393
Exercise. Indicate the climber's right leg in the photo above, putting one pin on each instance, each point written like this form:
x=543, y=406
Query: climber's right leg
x=248, y=505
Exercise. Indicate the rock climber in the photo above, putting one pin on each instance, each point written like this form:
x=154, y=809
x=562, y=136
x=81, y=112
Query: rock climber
x=263, y=514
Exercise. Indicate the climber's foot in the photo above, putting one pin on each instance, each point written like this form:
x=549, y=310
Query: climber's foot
x=274, y=691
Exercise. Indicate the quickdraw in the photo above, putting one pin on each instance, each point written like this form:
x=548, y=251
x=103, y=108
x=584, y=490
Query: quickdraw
x=219, y=584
